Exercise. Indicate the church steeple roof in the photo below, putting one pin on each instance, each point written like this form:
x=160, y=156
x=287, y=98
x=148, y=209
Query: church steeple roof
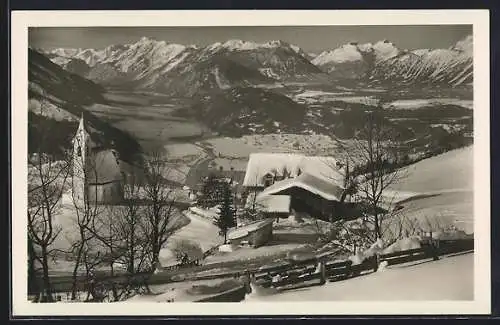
x=82, y=132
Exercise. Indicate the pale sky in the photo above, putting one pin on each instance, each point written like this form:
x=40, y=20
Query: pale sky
x=310, y=38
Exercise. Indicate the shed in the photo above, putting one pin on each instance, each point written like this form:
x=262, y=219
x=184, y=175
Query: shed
x=256, y=234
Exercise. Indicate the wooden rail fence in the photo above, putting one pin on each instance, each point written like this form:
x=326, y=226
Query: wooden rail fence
x=292, y=273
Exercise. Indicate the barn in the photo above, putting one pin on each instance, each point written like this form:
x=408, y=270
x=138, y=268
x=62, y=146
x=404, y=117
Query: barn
x=312, y=183
x=309, y=195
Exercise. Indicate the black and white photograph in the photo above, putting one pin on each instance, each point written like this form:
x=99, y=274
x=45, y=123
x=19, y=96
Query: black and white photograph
x=254, y=162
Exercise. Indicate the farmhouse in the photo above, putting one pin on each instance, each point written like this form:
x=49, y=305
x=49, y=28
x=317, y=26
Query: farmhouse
x=311, y=183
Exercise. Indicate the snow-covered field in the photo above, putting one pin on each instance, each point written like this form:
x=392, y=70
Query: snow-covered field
x=449, y=171
x=318, y=96
x=183, y=150
x=418, y=103
x=450, y=278
x=314, y=96
x=278, y=143
x=439, y=189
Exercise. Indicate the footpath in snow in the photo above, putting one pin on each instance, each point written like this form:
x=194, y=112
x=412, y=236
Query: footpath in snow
x=200, y=230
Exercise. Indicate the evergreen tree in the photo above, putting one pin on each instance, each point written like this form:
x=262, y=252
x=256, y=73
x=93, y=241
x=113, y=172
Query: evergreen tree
x=227, y=216
x=212, y=192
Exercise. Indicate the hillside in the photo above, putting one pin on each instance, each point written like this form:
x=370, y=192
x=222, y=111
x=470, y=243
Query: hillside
x=249, y=110
x=57, y=99
x=452, y=170
x=438, y=191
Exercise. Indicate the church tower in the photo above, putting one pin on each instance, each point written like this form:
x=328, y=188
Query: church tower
x=81, y=149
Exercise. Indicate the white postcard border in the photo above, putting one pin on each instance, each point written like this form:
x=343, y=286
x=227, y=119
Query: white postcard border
x=21, y=20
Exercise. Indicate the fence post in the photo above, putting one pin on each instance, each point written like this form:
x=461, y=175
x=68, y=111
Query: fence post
x=376, y=260
x=434, y=251
x=348, y=270
x=322, y=272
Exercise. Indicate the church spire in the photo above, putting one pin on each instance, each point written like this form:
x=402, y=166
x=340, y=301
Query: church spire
x=81, y=132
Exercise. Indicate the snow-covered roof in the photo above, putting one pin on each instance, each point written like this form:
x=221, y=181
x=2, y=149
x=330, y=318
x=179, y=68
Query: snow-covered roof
x=260, y=164
x=270, y=203
x=244, y=231
x=319, y=186
x=103, y=167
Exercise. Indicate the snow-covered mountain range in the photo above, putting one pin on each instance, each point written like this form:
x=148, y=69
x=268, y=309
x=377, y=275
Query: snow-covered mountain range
x=187, y=69
x=384, y=62
x=160, y=66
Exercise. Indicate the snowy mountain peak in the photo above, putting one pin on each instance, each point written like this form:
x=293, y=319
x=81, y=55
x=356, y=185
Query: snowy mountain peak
x=345, y=53
x=465, y=45
x=145, y=40
x=383, y=61
x=385, y=50
x=65, y=52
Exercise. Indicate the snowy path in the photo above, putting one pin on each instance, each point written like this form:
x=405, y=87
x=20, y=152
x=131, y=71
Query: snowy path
x=450, y=278
x=199, y=230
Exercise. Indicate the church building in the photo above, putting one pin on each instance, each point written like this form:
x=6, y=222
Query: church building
x=97, y=175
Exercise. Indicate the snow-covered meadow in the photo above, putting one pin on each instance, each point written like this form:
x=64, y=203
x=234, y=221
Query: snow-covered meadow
x=450, y=278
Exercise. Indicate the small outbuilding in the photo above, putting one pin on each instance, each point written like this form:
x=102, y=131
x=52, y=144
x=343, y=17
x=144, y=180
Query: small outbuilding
x=256, y=234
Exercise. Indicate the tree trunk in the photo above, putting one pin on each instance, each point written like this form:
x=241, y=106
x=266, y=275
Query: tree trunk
x=156, y=258
x=377, y=228
x=130, y=268
x=113, y=286
x=33, y=287
x=47, y=290
x=74, y=275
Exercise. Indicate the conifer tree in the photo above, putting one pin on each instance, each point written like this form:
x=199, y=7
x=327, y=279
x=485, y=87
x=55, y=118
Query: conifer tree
x=227, y=217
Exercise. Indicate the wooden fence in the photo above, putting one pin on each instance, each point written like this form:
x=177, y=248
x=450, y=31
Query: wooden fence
x=295, y=273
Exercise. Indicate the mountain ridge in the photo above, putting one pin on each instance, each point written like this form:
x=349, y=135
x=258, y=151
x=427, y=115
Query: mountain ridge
x=149, y=64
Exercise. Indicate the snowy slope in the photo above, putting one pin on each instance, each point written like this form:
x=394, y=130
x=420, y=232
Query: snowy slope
x=423, y=281
x=452, y=170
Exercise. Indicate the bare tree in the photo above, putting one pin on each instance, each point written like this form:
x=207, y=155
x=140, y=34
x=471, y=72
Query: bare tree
x=159, y=211
x=376, y=153
x=187, y=251
x=86, y=211
x=47, y=179
x=367, y=167
x=46, y=185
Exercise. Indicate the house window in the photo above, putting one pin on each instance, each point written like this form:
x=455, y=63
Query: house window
x=79, y=151
x=268, y=180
